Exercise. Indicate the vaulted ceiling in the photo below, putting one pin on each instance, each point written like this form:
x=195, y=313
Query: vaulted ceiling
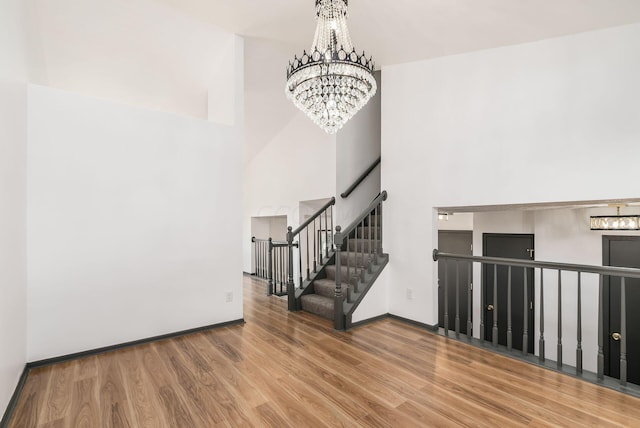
x=396, y=31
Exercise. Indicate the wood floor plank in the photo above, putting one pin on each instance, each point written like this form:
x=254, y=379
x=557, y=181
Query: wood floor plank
x=291, y=369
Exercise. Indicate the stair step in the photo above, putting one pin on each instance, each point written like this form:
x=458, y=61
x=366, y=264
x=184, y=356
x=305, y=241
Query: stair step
x=331, y=273
x=354, y=258
x=363, y=231
x=325, y=287
x=317, y=304
x=361, y=245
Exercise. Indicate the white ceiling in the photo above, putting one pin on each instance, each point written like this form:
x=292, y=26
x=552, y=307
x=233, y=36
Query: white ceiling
x=396, y=31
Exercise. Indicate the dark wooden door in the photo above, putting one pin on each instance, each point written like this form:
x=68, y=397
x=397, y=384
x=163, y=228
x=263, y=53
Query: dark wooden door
x=514, y=246
x=622, y=251
x=456, y=242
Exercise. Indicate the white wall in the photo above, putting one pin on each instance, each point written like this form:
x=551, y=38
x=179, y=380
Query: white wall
x=357, y=147
x=555, y=120
x=133, y=226
x=290, y=169
x=137, y=52
x=13, y=146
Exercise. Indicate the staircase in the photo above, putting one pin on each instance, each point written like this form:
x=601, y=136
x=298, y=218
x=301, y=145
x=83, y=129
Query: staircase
x=337, y=286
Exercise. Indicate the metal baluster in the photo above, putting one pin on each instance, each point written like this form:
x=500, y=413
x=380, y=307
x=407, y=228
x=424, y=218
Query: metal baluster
x=375, y=232
x=326, y=235
x=362, y=262
x=370, y=244
x=509, y=329
x=457, y=300
x=469, y=308
x=579, y=348
x=291, y=292
x=495, y=306
x=300, y=260
x=285, y=264
x=525, y=314
x=623, y=332
x=270, y=268
x=601, y=328
x=332, y=237
x=379, y=243
x=348, y=252
x=315, y=246
x=446, y=297
x=319, y=232
x=338, y=314
x=308, y=261
x=483, y=309
x=541, y=341
x=255, y=255
x=559, y=319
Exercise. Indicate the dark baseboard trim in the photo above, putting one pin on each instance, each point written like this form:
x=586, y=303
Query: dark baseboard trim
x=11, y=407
x=369, y=320
x=65, y=358
x=428, y=327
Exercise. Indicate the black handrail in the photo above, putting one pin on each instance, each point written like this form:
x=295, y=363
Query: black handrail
x=317, y=214
x=360, y=179
x=347, y=230
x=602, y=270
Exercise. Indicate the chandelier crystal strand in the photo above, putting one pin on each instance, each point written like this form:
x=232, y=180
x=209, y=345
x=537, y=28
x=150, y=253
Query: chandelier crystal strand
x=331, y=82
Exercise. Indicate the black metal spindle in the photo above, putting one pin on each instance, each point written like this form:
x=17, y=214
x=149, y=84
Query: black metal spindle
x=326, y=235
x=308, y=260
x=315, y=247
x=446, y=298
x=457, y=300
x=525, y=314
x=332, y=238
x=509, y=319
x=483, y=309
x=559, y=319
x=338, y=315
x=362, y=260
x=300, y=262
x=623, y=332
x=601, y=328
x=541, y=356
x=469, y=293
x=579, y=333
x=379, y=243
x=319, y=232
x=270, y=268
x=495, y=305
x=375, y=240
x=370, y=244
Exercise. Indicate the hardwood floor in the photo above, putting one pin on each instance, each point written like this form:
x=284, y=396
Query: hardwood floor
x=286, y=369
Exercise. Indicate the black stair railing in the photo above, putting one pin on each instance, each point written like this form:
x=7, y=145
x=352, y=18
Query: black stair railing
x=510, y=265
x=272, y=263
x=315, y=247
x=363, y=239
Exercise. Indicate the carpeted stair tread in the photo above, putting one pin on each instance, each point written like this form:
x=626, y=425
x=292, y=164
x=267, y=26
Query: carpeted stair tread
x=331, y=272
x=325, y=287
x=354, y=258
x=361, y=245
x=317, y=304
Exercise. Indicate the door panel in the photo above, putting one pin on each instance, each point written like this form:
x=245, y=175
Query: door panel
x=622, y=251
x=512, y=246
x=456, y=242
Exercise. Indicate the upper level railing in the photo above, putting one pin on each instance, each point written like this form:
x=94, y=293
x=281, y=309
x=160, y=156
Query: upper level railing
x=315, y=246
x=493, y=263
x=272, y=263
x=360, y=179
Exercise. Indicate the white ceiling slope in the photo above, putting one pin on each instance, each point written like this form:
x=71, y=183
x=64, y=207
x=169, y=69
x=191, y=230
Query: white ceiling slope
x=396, y=31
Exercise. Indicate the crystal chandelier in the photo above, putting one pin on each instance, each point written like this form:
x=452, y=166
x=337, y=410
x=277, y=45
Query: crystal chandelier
x=331, y=82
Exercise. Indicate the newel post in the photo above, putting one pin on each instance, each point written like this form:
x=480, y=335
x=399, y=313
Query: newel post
x=291, y=288
x=270, y=267
x=338, y=312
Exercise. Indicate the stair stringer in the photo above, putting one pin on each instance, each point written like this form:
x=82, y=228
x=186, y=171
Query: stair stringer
x=363, y=288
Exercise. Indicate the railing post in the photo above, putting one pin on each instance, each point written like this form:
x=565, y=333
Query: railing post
x=509, y=318
x=255, y=256
x=541, y=341
x=525, y=315
x=338, y=313
x=601, y=328
x=559, y=319
x=494, y=332
x=291, y=289
x=469, y=294
x=579, y=347
x=623, y=332
x=270, y=267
